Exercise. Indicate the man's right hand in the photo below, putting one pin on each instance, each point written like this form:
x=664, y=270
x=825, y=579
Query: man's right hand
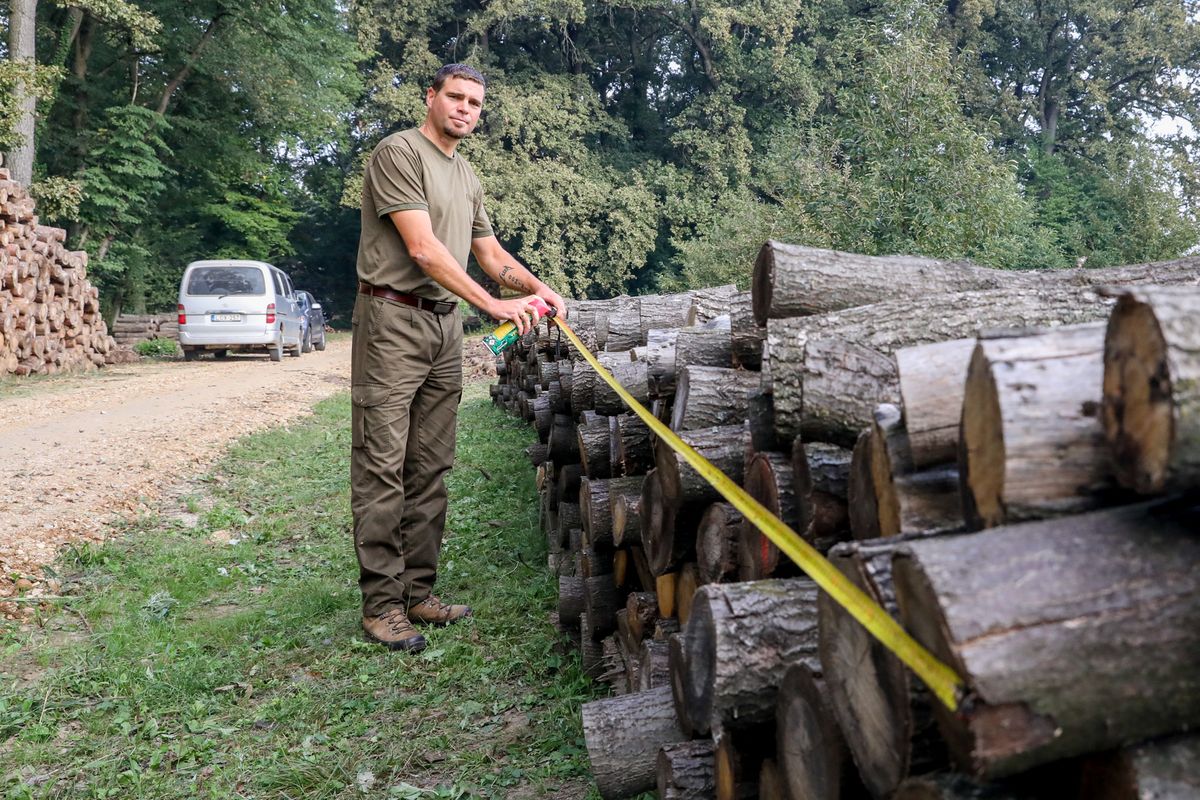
x=521, y=311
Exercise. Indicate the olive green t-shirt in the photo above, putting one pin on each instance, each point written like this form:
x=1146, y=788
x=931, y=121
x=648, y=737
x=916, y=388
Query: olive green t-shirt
x=407, y=171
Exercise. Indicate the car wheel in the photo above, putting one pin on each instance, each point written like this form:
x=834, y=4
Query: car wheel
x=220, y=355
x=189, y=354
x=308, y=345
x=276, y=351
x=321, y=344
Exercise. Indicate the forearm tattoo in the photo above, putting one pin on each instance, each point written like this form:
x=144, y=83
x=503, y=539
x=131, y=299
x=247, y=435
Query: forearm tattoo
x=511, y=280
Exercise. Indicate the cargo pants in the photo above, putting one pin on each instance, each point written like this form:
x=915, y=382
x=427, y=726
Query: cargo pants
x=406, y=384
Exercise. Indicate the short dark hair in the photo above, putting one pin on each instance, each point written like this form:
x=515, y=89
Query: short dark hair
x=457, y=71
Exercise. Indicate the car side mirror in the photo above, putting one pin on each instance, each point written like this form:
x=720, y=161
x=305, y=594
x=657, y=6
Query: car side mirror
x=316, y=306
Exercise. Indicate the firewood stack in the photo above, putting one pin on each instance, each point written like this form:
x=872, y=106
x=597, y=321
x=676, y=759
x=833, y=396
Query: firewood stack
x=129, y=329
x=1008, y=463
x=49, y=312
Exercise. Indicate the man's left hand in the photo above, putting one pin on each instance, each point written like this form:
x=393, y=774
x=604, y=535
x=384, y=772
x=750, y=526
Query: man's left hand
x=552, y=298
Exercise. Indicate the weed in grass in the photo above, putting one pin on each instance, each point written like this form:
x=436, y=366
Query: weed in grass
x=215, y=669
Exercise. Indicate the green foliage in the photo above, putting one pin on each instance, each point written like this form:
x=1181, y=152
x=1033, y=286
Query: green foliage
x=218, y=666
x=156, y=348
x=39, y=79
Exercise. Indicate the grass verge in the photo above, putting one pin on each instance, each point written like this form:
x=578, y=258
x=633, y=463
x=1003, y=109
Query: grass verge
x=214, y=650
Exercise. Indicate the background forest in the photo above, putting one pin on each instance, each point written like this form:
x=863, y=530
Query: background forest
x=625, y=146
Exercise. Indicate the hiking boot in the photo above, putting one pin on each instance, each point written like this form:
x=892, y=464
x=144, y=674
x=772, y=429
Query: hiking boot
x=393, y=630
x=433, y=611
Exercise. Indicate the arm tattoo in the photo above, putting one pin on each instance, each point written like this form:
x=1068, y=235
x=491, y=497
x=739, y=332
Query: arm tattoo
x=512, y=280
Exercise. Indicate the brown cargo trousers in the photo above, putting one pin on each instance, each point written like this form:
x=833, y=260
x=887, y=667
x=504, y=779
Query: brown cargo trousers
x=406, y=384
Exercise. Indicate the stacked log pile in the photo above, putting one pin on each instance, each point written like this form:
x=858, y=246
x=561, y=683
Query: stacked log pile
x=49, y=312
x=129, y=329
x=1001, y=461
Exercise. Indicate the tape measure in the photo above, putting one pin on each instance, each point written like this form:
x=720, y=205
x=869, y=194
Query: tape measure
x=941, y=679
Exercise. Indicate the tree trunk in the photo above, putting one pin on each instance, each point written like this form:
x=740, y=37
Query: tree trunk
x=1032, y=443
x=595, y=506
x=1152, y=388
x=813, y=760
x=726, y=446
x=769, y=481
x=708, y=304
x=932, y=377
x=623, y=736
x=22, y=47
x=717, y=542
x=1060, y=667
x=740, y=640
x=707, y=345
x=1166, y=768
x=829, y=372
x=625, y=327
x=685, y=771
x=884, y=712
x=663, y=311
x=820, y=474
x=901, y=500
x=793, y=281
x=709, y=396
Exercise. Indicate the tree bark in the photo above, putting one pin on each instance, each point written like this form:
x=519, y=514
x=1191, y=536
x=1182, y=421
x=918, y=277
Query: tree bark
x=623, y=736
x=708, y=304
x=685, y=591
x=1152, y=388
x=653, y=665
x=769, y=481
x=717, y=542
x=570, y=599
x=625, y=327
x=738, y=757
x=740, y=640
x=932, y=377
x=884, y=712
x=683, y=694
x=1060, y=667
x=627, y=524
x=1032, y=443
x=820, y=476
x=595, y=506
x=811, y=752
x=563, y=443
x=792, y=281
x=709, y=396
x=830, y=371
x=22, y=47
x=600, y=603
x=1166, y=768
x=634, y=454
x=726, y=446
x=685, y=771
x=593, y=446
x=663, y=311
x=660, y=360
x=707, y=345
x=632, y=376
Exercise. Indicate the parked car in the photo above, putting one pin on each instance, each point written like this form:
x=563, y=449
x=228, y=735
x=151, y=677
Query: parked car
x=243, y=306
x=314, y=322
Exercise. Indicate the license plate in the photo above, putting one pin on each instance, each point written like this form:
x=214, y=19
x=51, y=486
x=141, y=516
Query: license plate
x=226, y=317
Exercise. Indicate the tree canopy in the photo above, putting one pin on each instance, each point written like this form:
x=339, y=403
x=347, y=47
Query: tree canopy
x=626, y=145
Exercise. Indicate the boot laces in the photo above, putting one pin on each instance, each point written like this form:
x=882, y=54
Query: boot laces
x=435, y=604
x=397, y=621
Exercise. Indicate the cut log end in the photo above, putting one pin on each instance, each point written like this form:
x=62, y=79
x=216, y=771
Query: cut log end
x=763, y=283
x=981, y=444
x=1138, y=412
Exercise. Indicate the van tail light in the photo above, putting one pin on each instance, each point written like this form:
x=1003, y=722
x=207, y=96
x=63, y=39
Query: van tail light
x=182, y=315
x=270, y=313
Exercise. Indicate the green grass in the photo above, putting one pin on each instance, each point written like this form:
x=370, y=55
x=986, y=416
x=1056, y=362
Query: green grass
x=231, y=665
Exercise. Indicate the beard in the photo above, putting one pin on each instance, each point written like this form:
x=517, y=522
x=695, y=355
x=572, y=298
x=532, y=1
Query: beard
x=453, y=132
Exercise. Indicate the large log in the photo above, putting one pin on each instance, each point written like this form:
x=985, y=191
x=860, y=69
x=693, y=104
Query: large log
x=623, y=736
x=709, y=396
x=685, y=771
x=660, y=361
x=664, y=311
x=810, y=750
x=593, y=445
x=1165, y=769
x=932, y=377
x=726, y=446
x=820, y=477
x=632, y=377
x=634, y=455
x=791, y=280
x=626, y=520
x=1152, y=388
x=717, y=538
x=902, y=499
x=595, y=506
x=769, y=481
x=884, y=712
x=1032, y=443
x=1100, y=647
x=740, y=640
x=830, y=371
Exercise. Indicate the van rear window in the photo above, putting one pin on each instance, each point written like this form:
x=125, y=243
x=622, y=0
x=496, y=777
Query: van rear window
x=226, y=281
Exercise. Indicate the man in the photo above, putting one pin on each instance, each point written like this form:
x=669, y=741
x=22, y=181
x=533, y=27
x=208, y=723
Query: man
x=422, y=212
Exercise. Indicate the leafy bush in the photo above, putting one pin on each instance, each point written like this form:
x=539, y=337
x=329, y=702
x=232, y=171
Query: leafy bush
x=156, y=348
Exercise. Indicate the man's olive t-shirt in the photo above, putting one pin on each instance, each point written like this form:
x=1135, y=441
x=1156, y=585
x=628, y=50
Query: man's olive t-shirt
x=407, y=171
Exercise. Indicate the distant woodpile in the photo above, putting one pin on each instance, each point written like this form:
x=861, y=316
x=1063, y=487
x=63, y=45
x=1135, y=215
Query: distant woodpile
x=970, y=447
x=129, y=329
x=49, y=312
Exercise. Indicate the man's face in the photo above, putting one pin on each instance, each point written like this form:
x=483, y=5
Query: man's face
x=455, y=109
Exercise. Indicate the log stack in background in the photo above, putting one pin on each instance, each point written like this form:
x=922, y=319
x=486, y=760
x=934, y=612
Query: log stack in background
x=129, y=329
x=49, y=312
x=886, y=408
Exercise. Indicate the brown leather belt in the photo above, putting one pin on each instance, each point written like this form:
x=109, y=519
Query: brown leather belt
x=423, y=303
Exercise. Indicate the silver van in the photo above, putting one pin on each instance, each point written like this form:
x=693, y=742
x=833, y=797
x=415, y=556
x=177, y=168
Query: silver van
x=245, y=306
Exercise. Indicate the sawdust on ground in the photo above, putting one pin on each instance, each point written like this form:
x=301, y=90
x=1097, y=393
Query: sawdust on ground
x=80, y=452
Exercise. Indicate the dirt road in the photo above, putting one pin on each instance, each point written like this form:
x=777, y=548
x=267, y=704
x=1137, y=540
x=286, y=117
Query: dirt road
x=75, y=451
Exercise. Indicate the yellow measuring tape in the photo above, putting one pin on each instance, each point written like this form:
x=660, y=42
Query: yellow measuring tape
x=943, y=681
